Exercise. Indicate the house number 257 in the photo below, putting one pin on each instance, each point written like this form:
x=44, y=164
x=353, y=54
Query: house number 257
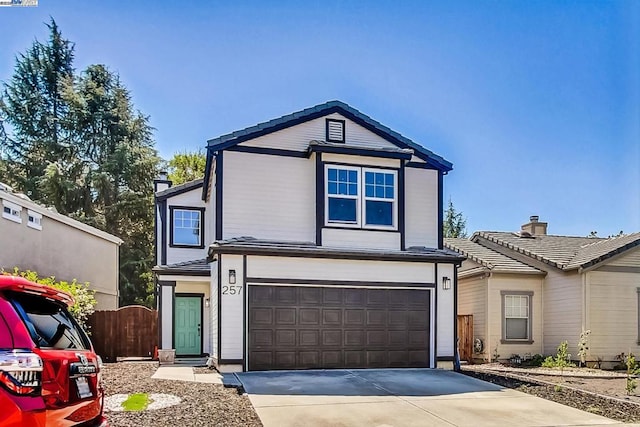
x=231, y=290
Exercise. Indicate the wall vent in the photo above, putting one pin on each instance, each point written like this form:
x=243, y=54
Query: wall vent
x=335, y=130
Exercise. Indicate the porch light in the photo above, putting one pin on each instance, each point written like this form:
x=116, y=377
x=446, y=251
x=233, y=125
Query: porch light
x=206, y=302
x=446, y=283
x=232, y=277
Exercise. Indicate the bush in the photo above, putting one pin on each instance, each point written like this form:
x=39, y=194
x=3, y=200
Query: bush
x=562, y=359
x=85, y=301
x=535, y=361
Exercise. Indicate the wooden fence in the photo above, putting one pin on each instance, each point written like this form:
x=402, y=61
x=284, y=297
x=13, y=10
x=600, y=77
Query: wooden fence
x=130, y=331
x=465, y=336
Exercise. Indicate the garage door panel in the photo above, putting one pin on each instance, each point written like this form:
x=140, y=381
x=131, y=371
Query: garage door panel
x=285, y=316
x=309, y=337
x=285, y=337
x=323, y=327
x=332, y=338
x=331, y=316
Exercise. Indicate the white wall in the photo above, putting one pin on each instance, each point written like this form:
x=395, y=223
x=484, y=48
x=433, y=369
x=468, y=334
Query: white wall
x=339, y=269
x=360, y=239
x=191, y=198
x=213, y=311
x=298, y=137
x=421, y=207
x=167, y=317
x=446, y=321
x=269, y=197
x=232, y=312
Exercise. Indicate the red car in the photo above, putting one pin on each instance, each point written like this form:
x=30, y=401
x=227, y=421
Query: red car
x=49, y=373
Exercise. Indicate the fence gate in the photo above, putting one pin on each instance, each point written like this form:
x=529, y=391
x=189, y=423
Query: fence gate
x=130, y=331
x=465, y=336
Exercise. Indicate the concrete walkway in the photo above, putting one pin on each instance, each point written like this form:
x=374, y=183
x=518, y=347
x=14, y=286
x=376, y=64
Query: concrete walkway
x=186, y=373
x=399, y=397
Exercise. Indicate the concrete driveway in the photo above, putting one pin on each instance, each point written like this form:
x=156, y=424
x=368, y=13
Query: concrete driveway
x=399, y=397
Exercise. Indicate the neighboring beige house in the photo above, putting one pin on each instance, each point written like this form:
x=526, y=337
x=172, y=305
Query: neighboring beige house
x=42, y=240
x=529, y=291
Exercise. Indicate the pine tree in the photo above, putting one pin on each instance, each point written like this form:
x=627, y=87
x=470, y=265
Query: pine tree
x=33, y=106
x=454, y=224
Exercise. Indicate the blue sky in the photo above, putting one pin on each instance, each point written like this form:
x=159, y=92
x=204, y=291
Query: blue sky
x=537, y=104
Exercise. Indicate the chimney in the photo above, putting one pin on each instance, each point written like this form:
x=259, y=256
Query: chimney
x=534, y=227
x=161, y=183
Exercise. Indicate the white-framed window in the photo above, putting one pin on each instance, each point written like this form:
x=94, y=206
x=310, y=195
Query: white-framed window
x=186, y=227
x=516, y=309
x=360, y=197
x=11, y=211
x=34, y=219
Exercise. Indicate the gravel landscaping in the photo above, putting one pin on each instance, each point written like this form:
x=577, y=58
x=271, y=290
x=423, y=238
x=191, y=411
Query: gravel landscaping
x=595, y=391
x=200, y=404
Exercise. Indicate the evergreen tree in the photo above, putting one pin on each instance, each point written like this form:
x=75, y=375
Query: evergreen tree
x=454, y=224
x=186, y=166
x=33, y=107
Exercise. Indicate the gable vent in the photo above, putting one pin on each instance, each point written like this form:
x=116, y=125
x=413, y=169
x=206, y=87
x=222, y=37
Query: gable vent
x=335, y=130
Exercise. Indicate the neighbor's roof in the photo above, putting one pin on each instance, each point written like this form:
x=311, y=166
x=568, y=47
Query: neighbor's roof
x=233, y=138
x=563, y=252
x=253, y=246
x=488, y=258
x=198, y=267
x=179, y=189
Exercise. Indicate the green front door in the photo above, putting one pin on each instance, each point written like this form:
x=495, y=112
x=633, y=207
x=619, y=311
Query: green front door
x=188, y=325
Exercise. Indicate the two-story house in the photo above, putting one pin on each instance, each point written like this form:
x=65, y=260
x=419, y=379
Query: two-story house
x=322, y=231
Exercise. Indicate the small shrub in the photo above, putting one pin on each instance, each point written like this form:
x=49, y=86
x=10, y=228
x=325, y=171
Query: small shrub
x=583, y=347
x=562, y=359
x=632, y=370
x=535, y=361
x=557, y=388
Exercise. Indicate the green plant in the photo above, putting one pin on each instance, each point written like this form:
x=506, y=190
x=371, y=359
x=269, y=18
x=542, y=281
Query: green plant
x=136, y=402
x=535, y=360
x=583, y=347
x=557, y=388
x=562, y=359
x=85, y=301
x=632, y=371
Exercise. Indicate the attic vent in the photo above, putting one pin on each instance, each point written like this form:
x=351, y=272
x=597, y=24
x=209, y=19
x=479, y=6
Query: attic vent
x=335, y=130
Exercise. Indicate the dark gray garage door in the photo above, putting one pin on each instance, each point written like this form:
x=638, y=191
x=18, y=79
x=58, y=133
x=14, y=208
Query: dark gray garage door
x=323, y=327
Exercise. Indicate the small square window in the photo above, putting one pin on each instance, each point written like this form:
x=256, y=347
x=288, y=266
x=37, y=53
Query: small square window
x=186, y=227
x=11, y=211
x=34, y=220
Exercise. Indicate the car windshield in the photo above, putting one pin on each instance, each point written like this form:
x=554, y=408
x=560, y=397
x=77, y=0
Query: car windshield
x=49, y=324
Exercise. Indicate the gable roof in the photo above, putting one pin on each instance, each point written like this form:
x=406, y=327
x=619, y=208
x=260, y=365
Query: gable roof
x=234, y=138
x=198, y=267
x=179, y=189
x=488, y=258
x=563, y=252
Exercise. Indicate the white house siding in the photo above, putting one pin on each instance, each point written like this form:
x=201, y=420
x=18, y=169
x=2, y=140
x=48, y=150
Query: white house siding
x=563, y=313
x=446, y=321
x=613, y=313
x=298, y=137
x=167, y=317
x=339, y=269
x=360, y=239
x=213, y=311
x=192, y=199
x=269, y=197
x=472, y=299
x=506, y=282
x=421, y=207
x=199, y=287
x=232, y=309
x=361, y=160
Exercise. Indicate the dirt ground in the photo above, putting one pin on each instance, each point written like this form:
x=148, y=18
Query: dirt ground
x=591, y=390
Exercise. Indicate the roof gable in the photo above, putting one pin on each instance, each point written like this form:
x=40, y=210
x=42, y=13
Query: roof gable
x=179, y=189
x=488, y=258
x=229, y=140
x=563, y=252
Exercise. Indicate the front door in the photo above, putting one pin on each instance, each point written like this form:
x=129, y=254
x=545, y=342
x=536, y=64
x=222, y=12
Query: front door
x=188, y=325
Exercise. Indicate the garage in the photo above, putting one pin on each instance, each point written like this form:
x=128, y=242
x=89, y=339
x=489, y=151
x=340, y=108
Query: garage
x=317, y=327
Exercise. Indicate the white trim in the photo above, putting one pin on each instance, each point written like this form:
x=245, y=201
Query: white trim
x=178, y=278
x=427, y=287
x=11, y=198
x=394, y=220
x=37, y=222
x=357, y=197
x=15, y=214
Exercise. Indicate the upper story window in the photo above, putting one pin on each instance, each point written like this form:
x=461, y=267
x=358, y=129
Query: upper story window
x=335, y=130
x=35, y=219
x=11, y=211
x=187, y=228
x=359, y=197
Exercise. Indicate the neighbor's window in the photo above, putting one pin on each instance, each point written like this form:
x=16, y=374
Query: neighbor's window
x=516, y=309
x=361, y=197
x=35, y=220
x=11, y=211
x=186, y=227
